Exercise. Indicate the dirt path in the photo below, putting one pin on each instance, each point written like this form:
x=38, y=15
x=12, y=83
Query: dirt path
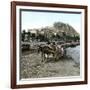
x=32, y=67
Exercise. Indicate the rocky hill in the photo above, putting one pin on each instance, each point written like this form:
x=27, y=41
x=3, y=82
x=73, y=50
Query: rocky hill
x=60, y=28
x=57, y=32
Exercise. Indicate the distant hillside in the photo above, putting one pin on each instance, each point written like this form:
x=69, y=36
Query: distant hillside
x=62, y=27
x=57, y=32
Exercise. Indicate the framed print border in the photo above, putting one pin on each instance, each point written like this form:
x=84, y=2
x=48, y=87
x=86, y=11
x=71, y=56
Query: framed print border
x=14, y=44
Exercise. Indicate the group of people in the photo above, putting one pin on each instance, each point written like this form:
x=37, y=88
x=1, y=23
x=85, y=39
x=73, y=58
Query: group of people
x=57, y=48
x=51, y=49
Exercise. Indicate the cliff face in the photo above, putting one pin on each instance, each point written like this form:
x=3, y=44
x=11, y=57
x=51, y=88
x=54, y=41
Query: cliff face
x=60, y=29
x=66, y=28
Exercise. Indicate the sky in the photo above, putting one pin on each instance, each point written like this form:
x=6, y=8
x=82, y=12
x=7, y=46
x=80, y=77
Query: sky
x=35, y=19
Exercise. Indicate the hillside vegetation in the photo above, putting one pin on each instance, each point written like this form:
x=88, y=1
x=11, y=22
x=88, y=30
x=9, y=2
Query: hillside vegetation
x=57, y=32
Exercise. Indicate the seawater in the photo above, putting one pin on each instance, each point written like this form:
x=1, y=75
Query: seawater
x=74, y=53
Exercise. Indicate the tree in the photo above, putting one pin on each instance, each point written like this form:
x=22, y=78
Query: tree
x=77, y=38
x=23, y=35
x=33, y=36
x=41, y=37
x=29, y=35
x=57, y=36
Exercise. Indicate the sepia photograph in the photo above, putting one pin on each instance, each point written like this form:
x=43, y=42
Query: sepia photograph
x=48, y=44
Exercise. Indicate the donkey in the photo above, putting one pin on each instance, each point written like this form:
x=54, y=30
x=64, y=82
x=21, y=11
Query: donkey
x=45, y=50
x=57, y=51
